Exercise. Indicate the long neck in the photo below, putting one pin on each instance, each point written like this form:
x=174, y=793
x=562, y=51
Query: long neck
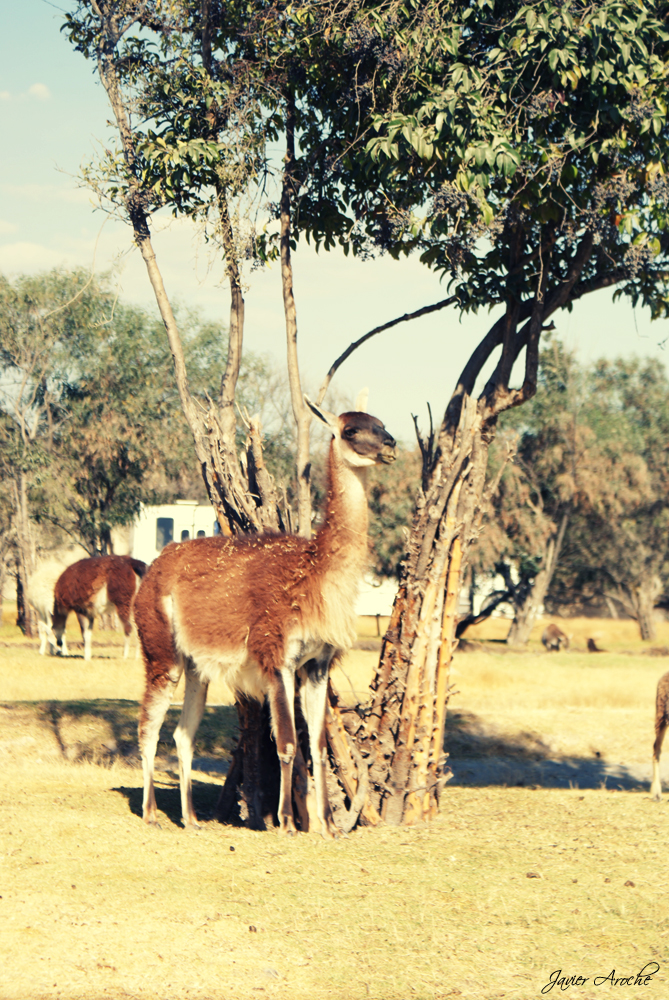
x=342, y=540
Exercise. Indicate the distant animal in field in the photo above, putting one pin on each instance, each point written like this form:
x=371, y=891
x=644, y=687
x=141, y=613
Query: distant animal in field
x=39, y=593
x=554, y=639
x=264, y=613
x=661, y=723
x=593, y=647
x=90, y=587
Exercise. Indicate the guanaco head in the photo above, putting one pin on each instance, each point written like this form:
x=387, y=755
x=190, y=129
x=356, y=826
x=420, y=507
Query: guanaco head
x=363, y=439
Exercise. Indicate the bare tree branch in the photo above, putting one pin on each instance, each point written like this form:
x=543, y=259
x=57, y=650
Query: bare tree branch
x=301, y=413
x=424, y=311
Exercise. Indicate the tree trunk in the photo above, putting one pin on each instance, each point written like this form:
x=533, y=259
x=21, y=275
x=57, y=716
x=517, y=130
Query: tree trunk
x=403, y=734
x=301, y=412
x=25, y=556
x=613, y=611
x=639, y=603
x=530, y=601
x=524, y=618
x=643, y=600
x=646, y=621
x=3, y=572
x=250, y=794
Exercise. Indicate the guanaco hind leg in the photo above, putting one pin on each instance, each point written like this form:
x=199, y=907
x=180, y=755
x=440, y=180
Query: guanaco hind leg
x=43, y=632
x=195, y=697
x=661, y=723
x=157, y=699
x=86, y=626
x=656, y=786
x=130, y=636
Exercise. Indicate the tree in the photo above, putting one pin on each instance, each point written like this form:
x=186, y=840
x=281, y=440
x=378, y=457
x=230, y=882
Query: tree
x=92, y=424
x=552, y=472
x=619, y=550
x=198, y=143
x=206, y=146
x=122, y=440
x=576, y=461
x=521, y=150
x=40, y=317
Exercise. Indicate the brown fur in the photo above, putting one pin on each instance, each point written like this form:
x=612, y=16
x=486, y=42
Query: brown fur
x=244, y=578
x=79, y=589
x=593, y=647
x=661, y=723
x=554, y=639
x=259, y=611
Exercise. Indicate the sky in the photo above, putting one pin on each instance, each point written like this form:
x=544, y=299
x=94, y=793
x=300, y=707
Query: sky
x=53, y=117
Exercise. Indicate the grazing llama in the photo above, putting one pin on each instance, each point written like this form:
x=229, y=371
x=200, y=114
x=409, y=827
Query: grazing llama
x=258, y=611
x=96, y=586
x=661, y=723
x=39, y=593
x=554, y=639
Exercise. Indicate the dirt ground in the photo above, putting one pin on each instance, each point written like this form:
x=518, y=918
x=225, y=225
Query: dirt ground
x=548, y=861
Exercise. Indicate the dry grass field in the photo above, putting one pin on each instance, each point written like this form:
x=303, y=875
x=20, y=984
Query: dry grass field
x=549, y=854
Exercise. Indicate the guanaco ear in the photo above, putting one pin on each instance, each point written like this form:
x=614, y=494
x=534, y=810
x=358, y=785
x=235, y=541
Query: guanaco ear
x=361, y=401
x=328, y=418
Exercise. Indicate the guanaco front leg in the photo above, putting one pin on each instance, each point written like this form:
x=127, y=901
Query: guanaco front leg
x=282, y=710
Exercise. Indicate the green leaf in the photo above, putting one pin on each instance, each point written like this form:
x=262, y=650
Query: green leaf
x=456, y=72
x=480, y=155
x=508, y=164
x=487, y=212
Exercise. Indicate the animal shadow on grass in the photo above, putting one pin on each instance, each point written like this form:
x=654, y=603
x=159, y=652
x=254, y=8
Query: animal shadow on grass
x=105, y=730
x=78, y=727
x=479, y=757
x=168, y=799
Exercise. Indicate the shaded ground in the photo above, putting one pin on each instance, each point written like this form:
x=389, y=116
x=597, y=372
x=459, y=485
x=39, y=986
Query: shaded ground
x=480, y=757
x=103, y=731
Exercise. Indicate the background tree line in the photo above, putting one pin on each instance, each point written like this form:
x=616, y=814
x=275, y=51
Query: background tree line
x=580, y=520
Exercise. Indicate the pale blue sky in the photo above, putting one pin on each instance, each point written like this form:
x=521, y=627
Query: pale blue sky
x=52, y=114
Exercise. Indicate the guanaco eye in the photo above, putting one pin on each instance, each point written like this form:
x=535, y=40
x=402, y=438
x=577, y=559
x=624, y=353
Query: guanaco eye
x=350, y=432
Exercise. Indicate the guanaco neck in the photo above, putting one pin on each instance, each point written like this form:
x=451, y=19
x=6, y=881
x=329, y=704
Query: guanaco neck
x=342, y=539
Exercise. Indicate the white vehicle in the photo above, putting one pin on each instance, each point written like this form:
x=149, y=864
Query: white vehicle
x=157, y=526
